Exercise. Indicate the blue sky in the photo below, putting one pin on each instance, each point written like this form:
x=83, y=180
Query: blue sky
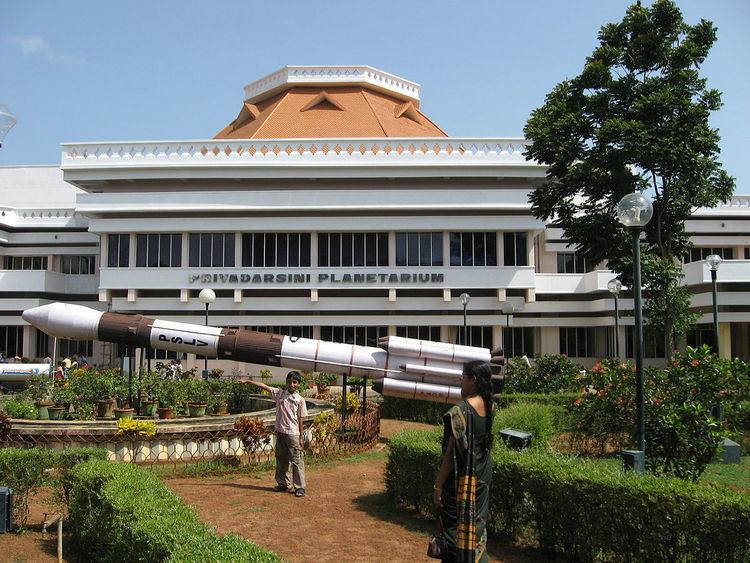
x=164, y=70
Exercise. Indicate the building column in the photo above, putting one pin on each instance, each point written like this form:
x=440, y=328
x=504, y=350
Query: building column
x=725, y=340
x=550, y=340
x=27, y=349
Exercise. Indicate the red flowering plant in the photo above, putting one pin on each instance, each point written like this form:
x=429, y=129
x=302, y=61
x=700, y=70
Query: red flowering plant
x=604, y=412
x=682, y=431
x=253, y=434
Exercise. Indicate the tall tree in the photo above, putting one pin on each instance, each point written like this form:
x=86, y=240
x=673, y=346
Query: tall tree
x=636, y=118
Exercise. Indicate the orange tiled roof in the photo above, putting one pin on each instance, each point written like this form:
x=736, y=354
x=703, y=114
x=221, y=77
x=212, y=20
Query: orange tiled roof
x=331, y=111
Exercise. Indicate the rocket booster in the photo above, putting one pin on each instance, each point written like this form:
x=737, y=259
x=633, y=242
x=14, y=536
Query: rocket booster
x=421, y=369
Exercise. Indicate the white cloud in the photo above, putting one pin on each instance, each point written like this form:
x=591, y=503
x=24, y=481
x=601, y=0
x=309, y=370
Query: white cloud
x=33, y=45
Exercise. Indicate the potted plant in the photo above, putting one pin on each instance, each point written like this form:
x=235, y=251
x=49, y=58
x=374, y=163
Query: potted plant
x=197, y=396
x=63, y=396
x=104, y=386
x=170, y=394
x=149, y=383
x=40, y=391
x=323, y=381
x=218, y=399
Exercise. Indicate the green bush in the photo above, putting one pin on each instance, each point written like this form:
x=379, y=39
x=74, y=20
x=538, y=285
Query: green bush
x=120, y=512
x=549, y=373
x=23, y=470
x=428, y=412
x=558, y=399
x=20, y=408
x=587, y=511
x=540, y=420
x=681, y=433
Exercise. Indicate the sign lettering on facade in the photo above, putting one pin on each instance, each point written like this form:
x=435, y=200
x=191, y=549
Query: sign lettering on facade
x=320, y=278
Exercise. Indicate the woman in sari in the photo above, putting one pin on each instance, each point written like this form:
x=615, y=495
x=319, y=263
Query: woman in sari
x=462, y=486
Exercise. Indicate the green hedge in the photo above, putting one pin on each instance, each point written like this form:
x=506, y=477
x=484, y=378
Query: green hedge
x=586, y=510
x=120, y=512
x=432, y=413
x=23, y=470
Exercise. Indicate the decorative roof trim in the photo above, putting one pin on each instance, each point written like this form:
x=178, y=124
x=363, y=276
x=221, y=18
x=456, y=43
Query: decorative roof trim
x=368, y=76
x=407, y=109
x=322, y=98
x=249, y=112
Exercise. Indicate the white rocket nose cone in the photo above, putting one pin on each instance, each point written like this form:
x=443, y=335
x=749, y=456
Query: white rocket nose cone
x=65, y=320
x=38, y=316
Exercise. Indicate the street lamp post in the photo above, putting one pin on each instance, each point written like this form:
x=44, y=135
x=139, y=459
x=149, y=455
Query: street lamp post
x=634, y=211
x=615, y=286
x=465, y=298
x=7, y=121
x=206, y=296
x=508, y=309
x=714, y=261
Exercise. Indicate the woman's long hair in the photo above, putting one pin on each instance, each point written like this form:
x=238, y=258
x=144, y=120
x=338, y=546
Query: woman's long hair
x=482, y=374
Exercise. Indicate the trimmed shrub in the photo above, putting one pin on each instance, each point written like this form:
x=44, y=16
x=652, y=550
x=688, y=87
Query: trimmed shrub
x=23, y=470
x=428, y=412
x=120, y=512
x=586, y=510
x=549, y=373
x=19, y=408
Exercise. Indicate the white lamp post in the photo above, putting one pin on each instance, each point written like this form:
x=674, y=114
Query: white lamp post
x=206, y=296
x=7, y=121
x=508, y=310
x=634, y=211
x=465, y=298
x=615, y=286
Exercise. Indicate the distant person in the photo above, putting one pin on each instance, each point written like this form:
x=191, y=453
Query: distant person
x=462, y=486
x=60, y=372
x=2, y=358
x=290, y=410
x=83, y=361
x=47, y=359
x=66, y=363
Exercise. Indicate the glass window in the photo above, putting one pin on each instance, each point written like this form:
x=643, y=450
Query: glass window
x=67, y=348
x=359, y=335
x=514, y=249
x=699, y=253
x=352, y=249
x=577, y=342
x=654, y=344
x=519, y=341
x=431, y=333
x=118, y=252
x=282, y=250
x=293, y=331
x=571, y=263
x=78, y=265
x=479, y=336
x=473, y=249
x=25, y=262
x=419, y=249
x=211, y=250
x=158, y=250
x=11, y=341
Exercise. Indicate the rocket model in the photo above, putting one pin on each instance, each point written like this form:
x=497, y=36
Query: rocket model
x=400, y=367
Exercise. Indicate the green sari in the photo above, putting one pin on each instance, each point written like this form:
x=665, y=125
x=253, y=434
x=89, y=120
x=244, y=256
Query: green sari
x=466, y=492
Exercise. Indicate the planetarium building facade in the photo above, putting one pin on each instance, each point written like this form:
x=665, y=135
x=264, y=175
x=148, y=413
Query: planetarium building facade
x=331, y=208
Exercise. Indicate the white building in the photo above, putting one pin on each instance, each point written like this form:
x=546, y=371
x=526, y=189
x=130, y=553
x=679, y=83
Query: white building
x=331, y=207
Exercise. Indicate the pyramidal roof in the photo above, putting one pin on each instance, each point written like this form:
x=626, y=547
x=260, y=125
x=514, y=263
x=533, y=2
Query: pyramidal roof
x=299, y=102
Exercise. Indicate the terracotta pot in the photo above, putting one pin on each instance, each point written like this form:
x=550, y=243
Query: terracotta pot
x=165, y=413
x=221, y=410
x=323, y=389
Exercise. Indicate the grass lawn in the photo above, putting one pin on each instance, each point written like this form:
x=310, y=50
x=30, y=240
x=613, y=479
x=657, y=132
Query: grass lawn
x=733, y=475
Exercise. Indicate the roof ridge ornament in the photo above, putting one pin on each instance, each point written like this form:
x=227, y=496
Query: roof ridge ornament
x=249, y=112
x=322, y=98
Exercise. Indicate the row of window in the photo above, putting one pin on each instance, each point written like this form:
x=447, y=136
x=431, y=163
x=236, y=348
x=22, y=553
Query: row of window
x=68, y=264
x=274, y=250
